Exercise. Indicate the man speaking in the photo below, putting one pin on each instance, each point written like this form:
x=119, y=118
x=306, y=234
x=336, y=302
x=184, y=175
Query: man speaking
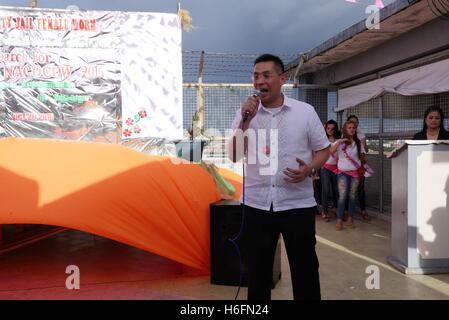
x=285, y=142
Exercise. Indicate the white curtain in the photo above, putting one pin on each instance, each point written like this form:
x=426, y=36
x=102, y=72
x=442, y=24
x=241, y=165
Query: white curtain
x=428, y=79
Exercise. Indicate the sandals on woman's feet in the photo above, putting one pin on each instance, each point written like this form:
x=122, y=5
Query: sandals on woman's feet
x=365, y=216
x=325, y=217
x=339, y=225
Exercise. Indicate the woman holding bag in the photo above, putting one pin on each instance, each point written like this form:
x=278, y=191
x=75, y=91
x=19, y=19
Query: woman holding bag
x=351, y=157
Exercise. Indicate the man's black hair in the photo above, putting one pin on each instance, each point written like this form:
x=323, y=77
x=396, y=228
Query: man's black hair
x=271, y=57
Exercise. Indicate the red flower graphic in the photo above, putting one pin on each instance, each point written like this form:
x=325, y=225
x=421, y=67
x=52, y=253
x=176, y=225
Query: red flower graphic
x=127, y=133
x=137, y=129
x=129, y=122
x=143, y=114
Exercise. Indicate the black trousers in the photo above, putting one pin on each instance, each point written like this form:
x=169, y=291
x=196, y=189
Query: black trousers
x=297, y=227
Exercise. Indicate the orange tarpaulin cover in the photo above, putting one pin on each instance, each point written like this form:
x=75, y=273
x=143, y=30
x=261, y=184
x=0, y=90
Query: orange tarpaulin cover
x=149, y=202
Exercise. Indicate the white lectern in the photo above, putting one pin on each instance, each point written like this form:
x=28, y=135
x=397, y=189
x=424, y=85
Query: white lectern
x=420, y=207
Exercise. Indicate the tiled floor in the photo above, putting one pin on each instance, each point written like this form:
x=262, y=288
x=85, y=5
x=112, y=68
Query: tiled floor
x=110, y=270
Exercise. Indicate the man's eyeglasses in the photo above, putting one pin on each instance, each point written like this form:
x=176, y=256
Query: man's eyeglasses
x=264, y=76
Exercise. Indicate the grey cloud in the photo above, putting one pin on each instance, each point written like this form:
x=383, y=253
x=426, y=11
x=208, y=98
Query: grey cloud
x=243, y=26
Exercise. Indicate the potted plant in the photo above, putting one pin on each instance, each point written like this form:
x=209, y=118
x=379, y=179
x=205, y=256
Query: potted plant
x=192, y=149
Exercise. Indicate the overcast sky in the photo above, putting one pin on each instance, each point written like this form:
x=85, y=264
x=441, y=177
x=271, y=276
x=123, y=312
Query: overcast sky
x=242, y=26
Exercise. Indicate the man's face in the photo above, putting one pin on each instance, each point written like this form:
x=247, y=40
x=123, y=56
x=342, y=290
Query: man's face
x=269, y=80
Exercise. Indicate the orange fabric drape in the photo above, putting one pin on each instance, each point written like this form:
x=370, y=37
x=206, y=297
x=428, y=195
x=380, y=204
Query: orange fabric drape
x=149, y=202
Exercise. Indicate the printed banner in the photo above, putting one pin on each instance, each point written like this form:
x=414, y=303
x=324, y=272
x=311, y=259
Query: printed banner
x=90, y=75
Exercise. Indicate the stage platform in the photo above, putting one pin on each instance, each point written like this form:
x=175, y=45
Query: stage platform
x=111, y=270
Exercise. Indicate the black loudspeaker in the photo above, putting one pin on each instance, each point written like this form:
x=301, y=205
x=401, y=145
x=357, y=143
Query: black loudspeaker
x=225, y=223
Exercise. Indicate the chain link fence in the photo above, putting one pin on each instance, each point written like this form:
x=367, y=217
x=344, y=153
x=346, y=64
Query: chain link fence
x=225, y=81
x=222, y=102
x=388, y=121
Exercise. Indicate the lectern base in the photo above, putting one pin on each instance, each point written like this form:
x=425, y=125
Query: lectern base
x=400, y=266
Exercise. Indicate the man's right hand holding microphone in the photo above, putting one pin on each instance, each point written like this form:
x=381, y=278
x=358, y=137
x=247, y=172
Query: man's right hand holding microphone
x=249, y=109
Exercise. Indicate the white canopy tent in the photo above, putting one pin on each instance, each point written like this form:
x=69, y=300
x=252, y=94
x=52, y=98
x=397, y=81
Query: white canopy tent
x=428, y=79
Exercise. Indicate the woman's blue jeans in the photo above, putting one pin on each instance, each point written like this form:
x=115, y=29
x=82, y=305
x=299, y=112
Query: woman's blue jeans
x=347, y=190
x=328, y=186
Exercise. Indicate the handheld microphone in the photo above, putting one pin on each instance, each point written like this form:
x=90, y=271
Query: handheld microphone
x=245, y=116
x=256, y=93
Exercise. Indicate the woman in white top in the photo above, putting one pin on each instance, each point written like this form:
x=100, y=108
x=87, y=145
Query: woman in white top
x=361, y=189
x=350, y=154
x=328, y=172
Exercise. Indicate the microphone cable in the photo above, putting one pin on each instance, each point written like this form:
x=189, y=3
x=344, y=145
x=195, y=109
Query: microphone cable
x=233, y=240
